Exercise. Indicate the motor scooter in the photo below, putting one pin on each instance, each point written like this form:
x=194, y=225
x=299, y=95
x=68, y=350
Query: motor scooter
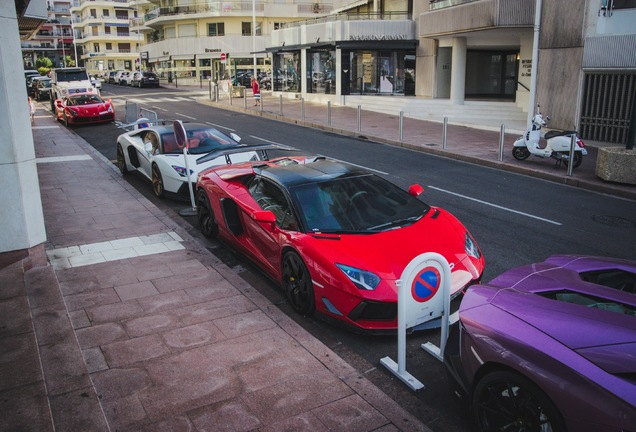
x=558, y=144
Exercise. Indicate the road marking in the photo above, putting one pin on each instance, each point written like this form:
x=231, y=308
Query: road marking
x=496, y=206
x=63, y=158
x=219, y=126
x=114, y=250
x=159, y=108
x=186, y=116
x=359, y=166
x=267, y=141
x=45, y=127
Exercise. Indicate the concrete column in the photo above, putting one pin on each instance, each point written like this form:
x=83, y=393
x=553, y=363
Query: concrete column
x=21, y=210
x=303, y=72
x=458, y=71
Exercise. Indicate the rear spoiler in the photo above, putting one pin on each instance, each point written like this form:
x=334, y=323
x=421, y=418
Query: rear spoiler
x=260, y=148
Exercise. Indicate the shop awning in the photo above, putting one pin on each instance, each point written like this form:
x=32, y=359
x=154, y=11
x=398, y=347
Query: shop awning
x=378, y=44
x=299, y=47
x=183, y=57
x=122, y=24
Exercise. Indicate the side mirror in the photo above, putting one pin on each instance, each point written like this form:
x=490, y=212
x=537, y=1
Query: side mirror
x=415, y=190
x=264, y=216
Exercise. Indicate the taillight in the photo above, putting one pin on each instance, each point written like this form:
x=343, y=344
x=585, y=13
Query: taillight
x=580, y=143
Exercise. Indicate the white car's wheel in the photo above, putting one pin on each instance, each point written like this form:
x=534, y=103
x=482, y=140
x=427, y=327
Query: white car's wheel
x=121, y=160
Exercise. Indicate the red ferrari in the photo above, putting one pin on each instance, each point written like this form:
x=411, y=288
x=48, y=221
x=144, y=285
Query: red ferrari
x=83, y=108
x=336, y=237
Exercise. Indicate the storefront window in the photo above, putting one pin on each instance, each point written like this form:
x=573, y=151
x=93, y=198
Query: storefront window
x=321, y=71
x=379, y=72
x=286, y=74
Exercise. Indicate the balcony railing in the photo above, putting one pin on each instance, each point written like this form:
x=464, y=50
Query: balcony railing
x=442, y=4
x=350, y=17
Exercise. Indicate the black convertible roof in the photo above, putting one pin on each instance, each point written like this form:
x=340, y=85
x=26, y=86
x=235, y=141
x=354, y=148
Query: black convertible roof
x=319, y=170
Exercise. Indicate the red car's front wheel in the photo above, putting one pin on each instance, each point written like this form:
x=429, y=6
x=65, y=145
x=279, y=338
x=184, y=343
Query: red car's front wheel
x=297, y=284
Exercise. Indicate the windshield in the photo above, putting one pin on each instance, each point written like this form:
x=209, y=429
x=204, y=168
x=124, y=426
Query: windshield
x=77, y=75
x=200, y=141
x=365, y=203
x=85, y=99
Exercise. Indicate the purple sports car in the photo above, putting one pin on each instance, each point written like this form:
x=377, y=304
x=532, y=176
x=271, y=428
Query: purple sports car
x=550, y=347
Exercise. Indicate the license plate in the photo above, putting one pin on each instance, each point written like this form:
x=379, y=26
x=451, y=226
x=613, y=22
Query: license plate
x=584, y=151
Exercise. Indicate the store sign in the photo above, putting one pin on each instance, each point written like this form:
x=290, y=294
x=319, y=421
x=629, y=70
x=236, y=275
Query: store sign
x=209, y=50
x=377, y=37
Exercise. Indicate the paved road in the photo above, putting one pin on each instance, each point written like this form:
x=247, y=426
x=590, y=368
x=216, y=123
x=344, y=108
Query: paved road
x=516, y=220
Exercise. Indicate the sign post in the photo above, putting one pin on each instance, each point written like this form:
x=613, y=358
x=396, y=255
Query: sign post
x=182, y=141
x=423, y=295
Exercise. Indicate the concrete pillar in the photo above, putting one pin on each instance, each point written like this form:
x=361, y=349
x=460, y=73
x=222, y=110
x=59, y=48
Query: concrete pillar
x=458, y=71
x=21, y=214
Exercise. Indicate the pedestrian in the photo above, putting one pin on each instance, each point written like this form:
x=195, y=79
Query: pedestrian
x=256, y=91
x=32, y=110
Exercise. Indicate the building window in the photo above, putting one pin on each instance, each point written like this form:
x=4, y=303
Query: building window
x=278, y=25
x=109, y=46
x=105, y=12
x=216, y=29
x=93, y=13
x=246, y=28
x=321, y=64
x=107, y=30
x=96, y=47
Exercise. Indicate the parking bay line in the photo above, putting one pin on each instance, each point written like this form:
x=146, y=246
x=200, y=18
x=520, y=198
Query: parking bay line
x=495, y=205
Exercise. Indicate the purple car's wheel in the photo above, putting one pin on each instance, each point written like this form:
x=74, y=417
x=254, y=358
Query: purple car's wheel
x=121, y=160
x=205, y=215
x=157, y=181
x=507, y=401
x=297, y=284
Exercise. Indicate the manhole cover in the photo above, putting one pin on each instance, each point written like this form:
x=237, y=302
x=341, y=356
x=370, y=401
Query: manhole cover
x=614, y=221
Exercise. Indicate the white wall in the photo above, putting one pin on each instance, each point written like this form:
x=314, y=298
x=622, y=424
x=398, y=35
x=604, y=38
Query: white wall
x=21, y=209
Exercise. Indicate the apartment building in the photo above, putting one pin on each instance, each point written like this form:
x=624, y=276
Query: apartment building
x=54, y=38
x=188, y=37
x=109, y=33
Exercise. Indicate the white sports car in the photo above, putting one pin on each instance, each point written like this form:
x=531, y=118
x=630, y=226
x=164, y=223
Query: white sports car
x=153, y=151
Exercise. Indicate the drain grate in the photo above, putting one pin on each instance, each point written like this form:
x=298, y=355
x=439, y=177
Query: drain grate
x=614, y=221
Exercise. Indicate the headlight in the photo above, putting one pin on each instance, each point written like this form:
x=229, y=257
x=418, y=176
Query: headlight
x=470, y=245
x=181, y=170
x=364, y=280
x=72, y=111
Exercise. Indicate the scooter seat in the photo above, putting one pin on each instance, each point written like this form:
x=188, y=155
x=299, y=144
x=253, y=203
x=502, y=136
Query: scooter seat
x=553, y=133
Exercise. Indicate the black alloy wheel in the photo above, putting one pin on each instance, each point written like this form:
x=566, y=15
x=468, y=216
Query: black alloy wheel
x=578, y=159
x=205, y=215
x=157, y=181
x=121, y=160
x=507, y=401
x=520, y=153
x=297, y=284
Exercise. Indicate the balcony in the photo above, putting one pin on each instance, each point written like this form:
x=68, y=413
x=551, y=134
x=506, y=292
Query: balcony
x=457, y=16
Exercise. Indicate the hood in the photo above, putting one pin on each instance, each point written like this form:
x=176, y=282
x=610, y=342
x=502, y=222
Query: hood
x=438, y=231
x=577, y=326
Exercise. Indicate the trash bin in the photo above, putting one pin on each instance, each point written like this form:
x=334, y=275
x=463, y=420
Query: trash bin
x=238, y=91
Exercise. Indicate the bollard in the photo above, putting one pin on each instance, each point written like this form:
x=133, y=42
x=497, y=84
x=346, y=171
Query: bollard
x=280, y=105
x=329, y=113
x=244, y=99
x=502, y=134
x=444, y=131
x=210, y=89
x=571, y=161
x=176, y=84
x=359, y=118
x=302, y=108
x=401, y=127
